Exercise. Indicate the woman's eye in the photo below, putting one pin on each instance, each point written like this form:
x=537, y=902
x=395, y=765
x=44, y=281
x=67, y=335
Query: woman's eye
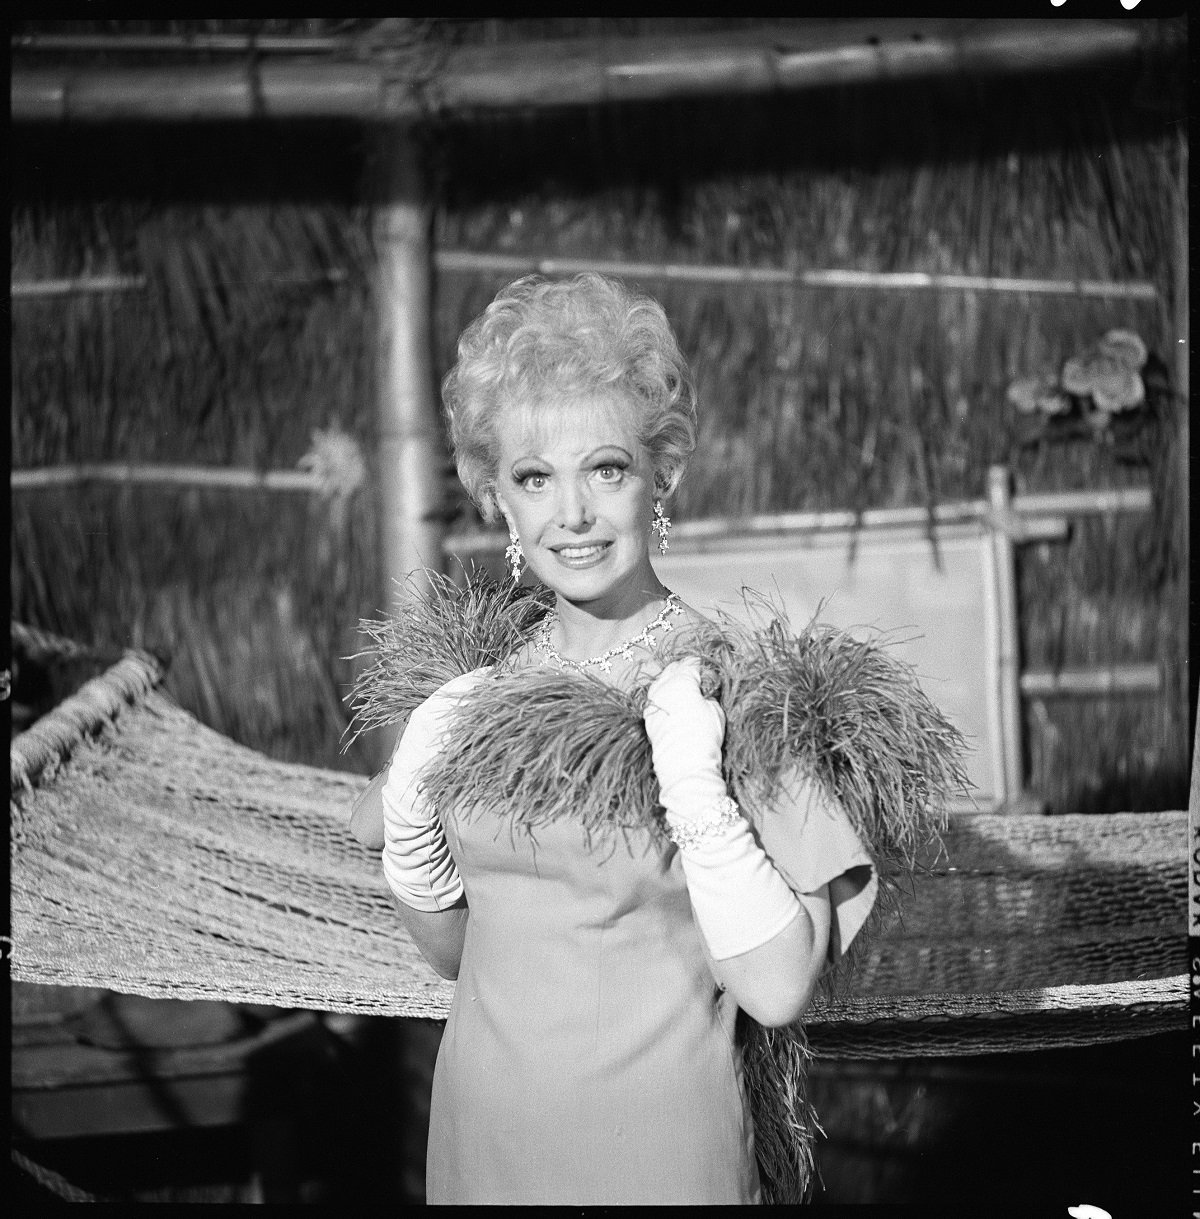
x=609, y=474
x=533, y=482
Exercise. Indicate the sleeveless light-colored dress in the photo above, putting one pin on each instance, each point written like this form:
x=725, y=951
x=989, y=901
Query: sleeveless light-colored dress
x=589, y=1056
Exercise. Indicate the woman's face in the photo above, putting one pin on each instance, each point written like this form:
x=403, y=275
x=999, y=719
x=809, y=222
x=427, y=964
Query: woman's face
x=577, y=485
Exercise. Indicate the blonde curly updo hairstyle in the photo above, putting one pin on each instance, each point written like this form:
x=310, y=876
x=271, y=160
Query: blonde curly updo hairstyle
x=544, y=342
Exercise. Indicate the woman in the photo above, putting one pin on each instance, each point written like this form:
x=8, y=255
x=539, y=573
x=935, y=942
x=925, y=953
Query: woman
x=602, y=949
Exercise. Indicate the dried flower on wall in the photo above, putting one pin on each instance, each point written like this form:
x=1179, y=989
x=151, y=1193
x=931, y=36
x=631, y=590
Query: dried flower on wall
x=1096, y=385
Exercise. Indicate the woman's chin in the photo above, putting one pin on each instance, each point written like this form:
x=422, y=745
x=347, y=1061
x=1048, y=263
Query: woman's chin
x=584, y=582
x=576, y=586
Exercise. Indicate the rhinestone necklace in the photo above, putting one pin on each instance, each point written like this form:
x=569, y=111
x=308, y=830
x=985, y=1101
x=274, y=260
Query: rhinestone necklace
x=604, y=661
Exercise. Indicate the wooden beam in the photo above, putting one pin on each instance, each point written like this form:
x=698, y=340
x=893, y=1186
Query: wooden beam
x=417, y=83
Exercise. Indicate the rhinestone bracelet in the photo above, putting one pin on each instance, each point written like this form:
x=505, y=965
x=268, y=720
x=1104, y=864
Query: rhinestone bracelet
x=689, y=834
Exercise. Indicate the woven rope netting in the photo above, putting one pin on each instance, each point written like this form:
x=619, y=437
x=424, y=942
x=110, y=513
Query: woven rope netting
x=152, y=855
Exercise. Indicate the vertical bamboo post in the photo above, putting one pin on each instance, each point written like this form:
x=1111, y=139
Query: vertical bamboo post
x=410, y=440
x=1179, y=305
x=1008, y=675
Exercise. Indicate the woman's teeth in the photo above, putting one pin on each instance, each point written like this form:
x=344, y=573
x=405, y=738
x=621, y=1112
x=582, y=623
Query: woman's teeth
x=581, y=554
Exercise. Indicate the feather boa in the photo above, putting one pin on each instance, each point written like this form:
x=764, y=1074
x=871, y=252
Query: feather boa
x=848, y=712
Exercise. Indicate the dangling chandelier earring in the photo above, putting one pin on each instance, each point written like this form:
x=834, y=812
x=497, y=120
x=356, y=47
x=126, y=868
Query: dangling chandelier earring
x=514, y=556
x=661, y=525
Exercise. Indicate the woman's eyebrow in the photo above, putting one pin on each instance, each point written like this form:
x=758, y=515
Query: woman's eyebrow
x=608, y=448
x=530, y=454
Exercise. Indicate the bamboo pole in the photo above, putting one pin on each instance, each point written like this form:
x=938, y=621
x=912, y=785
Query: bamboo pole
x=1180, y=303
x=100, y=285
x=411, y=454
x=575, y=71
x=1180, y=297
x=239, y=44
x=1007, y=653
x=82, y=285
x=164, y=475
x=903, y=281
x=455, y=261
x=195, y=94
x=1035, y=517
x=1039, y=513
x=1101, y=502
x=1111, y=679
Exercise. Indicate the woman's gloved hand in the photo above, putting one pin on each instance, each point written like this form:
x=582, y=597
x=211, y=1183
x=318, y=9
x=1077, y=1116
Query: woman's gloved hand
x=417, y=863
x=739, y=900
x=687, y=732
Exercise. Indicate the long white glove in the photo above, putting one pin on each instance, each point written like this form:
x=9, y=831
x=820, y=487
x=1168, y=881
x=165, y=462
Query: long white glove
x=417, y=863
x=740, y=901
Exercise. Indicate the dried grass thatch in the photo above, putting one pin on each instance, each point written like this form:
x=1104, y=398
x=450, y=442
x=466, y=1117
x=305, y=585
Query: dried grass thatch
x=825, y=398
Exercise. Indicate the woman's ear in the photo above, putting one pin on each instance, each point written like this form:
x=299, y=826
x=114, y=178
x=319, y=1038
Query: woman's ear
x=490, y=507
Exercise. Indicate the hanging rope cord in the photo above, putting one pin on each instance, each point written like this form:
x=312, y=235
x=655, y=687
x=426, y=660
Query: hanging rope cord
x=152, y=855
x=52, y=1181
x=40, y=748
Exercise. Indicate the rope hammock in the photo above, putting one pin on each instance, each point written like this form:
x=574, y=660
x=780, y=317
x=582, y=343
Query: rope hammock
x=154, y=856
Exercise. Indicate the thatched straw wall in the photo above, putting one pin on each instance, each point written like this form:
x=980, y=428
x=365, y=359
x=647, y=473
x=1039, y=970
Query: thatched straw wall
x=812, y=399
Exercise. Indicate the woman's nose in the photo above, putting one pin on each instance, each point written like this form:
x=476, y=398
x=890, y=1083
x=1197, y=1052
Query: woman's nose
x=574, y=506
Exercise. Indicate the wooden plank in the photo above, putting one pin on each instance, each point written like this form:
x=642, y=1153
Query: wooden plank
x=62, y=1088
x=131, y=1107
x=67, y=1063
